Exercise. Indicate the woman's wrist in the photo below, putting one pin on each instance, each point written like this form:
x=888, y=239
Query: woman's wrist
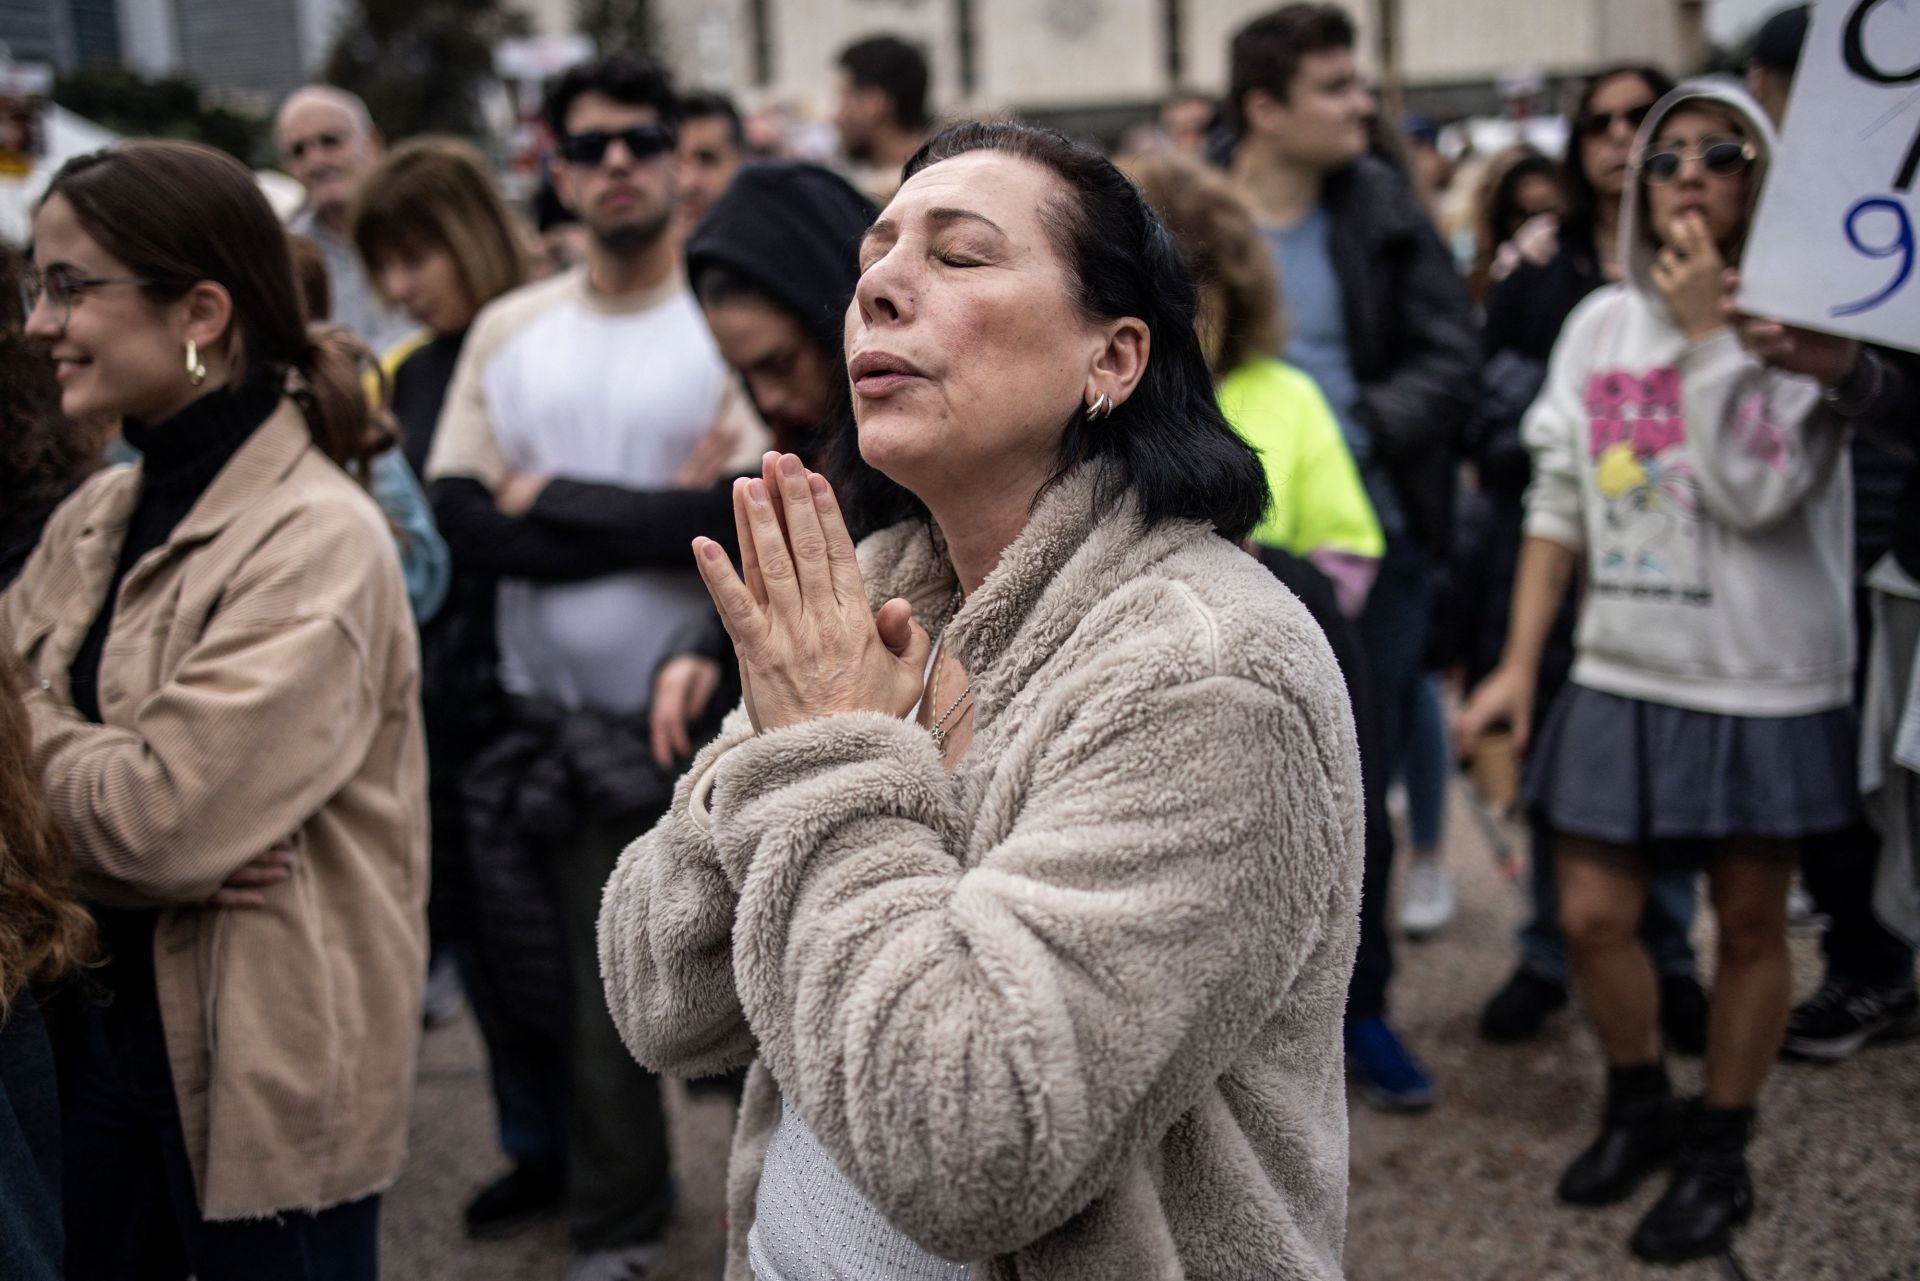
x=1854, y=393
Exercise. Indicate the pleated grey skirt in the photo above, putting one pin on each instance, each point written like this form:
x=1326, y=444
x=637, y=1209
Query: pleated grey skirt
x=1629, y=772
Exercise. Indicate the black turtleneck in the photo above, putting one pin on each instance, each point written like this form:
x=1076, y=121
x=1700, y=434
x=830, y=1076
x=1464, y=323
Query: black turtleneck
x=179, y=459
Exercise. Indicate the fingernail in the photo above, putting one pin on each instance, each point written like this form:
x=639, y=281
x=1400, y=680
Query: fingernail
x=789, y=465
x=757, y=492
x=708, y=549
x=818, y=484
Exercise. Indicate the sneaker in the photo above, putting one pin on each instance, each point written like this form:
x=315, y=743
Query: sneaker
x=1517, y=1010
x=517, y=1197
x=1683, y=1014
x=626, y=1263
x=1835, y=1022
x=1803, y=914
x=1428, y=899
x=1388, y=1075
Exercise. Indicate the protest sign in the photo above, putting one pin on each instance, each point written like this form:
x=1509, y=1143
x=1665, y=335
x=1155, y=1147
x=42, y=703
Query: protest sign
x=1836, y=241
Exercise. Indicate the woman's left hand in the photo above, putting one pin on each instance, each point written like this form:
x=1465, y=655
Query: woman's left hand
x=1692, y=276
x=808, y=644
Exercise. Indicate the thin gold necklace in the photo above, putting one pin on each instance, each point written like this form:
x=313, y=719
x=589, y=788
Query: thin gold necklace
x=939, y=728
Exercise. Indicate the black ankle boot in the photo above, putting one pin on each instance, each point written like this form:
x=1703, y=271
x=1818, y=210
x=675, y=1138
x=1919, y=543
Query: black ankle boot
x=1711, y=1193
x=1638, y=1135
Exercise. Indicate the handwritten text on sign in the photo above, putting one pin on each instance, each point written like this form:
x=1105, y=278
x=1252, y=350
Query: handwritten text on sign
x=1834, y=246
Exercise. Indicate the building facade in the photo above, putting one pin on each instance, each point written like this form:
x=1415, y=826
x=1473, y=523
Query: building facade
x=1050, y=56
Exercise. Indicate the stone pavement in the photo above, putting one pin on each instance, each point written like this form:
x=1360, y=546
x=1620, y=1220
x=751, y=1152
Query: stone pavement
x=1463, y=1193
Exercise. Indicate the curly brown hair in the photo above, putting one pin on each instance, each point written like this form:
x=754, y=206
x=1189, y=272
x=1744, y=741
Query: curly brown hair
x=1240, y=309
x=42, y=455
x=44, y=932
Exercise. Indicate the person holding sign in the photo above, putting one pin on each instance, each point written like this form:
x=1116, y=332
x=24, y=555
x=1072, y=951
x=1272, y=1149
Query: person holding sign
x=1706, y=721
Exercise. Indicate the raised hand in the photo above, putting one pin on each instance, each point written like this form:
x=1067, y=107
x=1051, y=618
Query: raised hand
x=1828, y=358
x=797, y=612
x=1691, y=276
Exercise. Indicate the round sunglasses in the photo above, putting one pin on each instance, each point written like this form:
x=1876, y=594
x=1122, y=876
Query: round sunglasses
x=1721, y=157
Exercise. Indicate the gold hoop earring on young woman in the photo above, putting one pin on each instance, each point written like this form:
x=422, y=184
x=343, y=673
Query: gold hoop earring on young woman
x=196, y=368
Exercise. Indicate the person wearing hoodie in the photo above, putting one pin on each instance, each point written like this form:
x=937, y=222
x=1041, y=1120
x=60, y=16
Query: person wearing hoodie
x=1525, y=314
x=772, y=264
x=1704, y=725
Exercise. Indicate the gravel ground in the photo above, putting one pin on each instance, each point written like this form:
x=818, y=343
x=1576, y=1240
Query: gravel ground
x=1463, y=1193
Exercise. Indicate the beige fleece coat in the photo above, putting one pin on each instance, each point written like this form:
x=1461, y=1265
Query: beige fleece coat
x=1074, y=1011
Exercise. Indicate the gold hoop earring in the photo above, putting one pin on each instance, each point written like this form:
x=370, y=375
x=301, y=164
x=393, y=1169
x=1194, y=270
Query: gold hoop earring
x=1099, y=408
x=196, y=368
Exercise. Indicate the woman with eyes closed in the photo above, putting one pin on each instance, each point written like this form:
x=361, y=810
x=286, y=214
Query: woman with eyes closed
x=1026, y=874
x=1705, y=725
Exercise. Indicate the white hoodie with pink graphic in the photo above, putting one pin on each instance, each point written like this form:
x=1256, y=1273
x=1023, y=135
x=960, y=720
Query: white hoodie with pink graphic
x=1709, y=495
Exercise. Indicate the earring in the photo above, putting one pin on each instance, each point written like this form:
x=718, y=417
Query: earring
x=196, y=368
x=1099, y=408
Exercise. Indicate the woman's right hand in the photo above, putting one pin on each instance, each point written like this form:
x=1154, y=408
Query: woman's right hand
x=243, y=888
x=682, y=688
x=1505, y=697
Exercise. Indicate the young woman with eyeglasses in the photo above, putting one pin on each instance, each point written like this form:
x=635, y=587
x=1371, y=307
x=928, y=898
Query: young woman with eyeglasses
x=1705, y=497
x=224, y=710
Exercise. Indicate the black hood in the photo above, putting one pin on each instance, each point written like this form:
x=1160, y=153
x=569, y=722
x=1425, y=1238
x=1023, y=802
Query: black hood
x=794, y=230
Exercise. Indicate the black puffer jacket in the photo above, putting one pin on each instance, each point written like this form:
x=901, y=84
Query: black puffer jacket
x=1411, y=337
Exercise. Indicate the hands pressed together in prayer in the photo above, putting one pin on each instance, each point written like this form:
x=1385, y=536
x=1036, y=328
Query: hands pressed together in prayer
x=797, y=611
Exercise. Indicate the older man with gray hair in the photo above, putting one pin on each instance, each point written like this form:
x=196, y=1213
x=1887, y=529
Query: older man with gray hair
x=328, y=143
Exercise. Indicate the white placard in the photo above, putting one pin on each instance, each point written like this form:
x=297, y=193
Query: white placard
x=1836, y=241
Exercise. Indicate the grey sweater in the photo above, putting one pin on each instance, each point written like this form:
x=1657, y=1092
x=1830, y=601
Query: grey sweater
x=1073, y=1011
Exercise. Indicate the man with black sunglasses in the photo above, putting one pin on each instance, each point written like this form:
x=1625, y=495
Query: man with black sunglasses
x=574, y=459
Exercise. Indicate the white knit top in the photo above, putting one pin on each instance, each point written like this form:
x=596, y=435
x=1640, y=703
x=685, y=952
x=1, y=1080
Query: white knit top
x=812, y=1224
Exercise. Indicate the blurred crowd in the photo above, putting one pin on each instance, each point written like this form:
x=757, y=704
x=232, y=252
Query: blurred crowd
x=286, y=775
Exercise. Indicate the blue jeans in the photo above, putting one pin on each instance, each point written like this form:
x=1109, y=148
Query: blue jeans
x=131, y=1209
x=528, y=1073
x=1393, y=641
x=1672, y=899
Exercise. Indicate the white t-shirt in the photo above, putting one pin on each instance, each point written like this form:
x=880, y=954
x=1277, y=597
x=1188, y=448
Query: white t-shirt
x=555, y=381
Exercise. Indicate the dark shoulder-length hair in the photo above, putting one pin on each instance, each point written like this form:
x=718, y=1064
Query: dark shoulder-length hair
x=1583, y=202
x=1168, y=445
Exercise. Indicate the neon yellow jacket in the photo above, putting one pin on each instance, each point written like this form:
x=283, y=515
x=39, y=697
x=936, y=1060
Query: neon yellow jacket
x=1319, y=503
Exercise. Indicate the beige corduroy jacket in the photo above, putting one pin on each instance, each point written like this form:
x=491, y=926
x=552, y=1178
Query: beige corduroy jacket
x=259, y=681
x=1074, y=1011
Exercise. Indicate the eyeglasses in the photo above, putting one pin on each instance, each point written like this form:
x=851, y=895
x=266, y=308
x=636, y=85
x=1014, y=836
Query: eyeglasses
x=1721, y=157
x=322, y=141
x=643, y=143
x=60, y=287
x=1596, y=123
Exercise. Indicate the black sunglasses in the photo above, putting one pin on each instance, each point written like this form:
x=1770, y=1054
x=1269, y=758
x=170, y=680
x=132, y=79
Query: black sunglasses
x=1721, y=157
x=1596, y=123
x=643, y=142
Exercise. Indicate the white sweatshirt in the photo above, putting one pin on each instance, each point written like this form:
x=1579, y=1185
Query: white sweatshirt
x=1710, y=496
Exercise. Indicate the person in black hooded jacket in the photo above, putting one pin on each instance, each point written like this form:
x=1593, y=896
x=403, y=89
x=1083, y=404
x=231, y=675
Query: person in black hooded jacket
x=773, y=265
